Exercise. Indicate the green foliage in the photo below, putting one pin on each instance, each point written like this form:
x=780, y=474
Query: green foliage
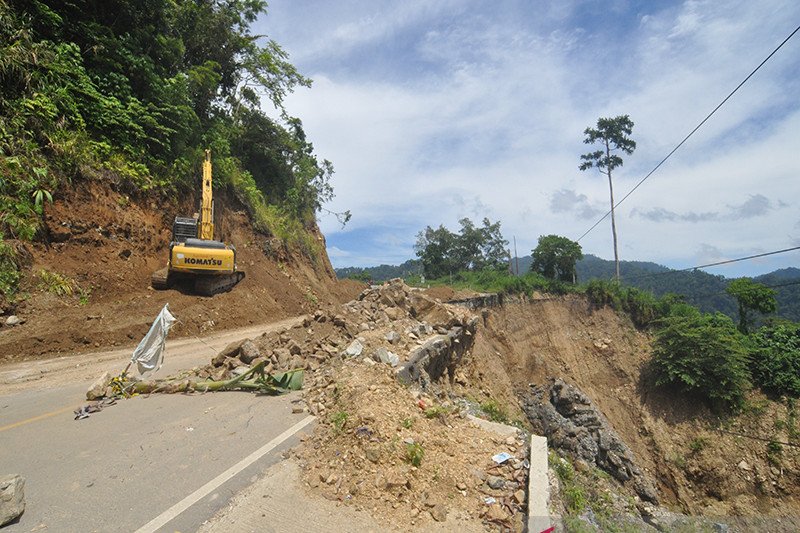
x=412, y=267
x=555, y=258
x=705, y=354
x=494, y=411
x=751, y=297
x=9, y=270
x=132, y=94
x=602, y=293
x=774, y=452
x=613, y=135
x=444, y=253
x=339, y=421
x=362, y=276
x=698, y=444
x=775, y=360
x=501, y=282
x=56, y=283
x=407, y=423
x=436, y=411
x=414, y=454
x=642, y=307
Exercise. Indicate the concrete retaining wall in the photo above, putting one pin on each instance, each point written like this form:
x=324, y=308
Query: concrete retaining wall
x=439, y=356
x=480, y=301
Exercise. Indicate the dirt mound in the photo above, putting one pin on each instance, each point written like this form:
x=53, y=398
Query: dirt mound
x=103, y=247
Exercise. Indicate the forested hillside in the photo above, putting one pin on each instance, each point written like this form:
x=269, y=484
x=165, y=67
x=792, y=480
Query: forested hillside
x=378, y=274
x=706, y=291
x=131, y=93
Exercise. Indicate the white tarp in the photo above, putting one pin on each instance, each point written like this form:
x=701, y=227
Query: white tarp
x=149, y=355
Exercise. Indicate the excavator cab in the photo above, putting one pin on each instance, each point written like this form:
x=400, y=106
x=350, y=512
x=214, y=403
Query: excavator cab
x=206, y=265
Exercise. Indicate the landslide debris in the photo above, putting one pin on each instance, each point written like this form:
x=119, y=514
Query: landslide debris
x=405, y=450
x=572, y=424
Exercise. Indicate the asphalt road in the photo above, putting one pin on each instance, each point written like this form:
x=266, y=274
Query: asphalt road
x=157, y=463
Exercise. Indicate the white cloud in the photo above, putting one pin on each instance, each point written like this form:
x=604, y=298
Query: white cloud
x=432, y=111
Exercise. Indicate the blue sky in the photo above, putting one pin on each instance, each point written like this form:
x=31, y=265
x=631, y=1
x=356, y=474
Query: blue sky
x=432, y=111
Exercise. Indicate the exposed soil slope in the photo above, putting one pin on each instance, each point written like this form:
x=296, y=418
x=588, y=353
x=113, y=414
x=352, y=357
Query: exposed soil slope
x=702, y=465
x=109, y=245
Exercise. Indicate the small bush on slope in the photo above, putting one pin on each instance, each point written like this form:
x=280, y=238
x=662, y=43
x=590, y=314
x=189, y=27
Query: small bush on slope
x=703, y=353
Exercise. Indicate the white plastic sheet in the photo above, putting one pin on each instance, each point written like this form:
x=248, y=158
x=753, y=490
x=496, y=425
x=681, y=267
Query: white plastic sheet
x=149, y=355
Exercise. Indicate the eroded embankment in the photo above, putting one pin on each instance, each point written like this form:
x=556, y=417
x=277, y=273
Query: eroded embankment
x=698, y=463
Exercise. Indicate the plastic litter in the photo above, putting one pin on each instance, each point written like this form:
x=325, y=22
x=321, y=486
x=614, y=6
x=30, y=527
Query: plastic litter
x=501, y=458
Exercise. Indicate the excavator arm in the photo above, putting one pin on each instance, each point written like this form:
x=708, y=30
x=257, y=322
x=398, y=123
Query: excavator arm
x=207, y=207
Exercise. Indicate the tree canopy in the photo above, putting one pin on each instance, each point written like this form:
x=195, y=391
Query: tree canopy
x=474, y=248
x=613, y=135
x=751, y=297
x=555, y=257
x=134, y=91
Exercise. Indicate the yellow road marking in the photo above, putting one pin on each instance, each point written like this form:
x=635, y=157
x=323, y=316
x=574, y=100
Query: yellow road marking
x=36, y=418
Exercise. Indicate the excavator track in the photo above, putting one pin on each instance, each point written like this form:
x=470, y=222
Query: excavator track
x=211, y=285
x=160, y=280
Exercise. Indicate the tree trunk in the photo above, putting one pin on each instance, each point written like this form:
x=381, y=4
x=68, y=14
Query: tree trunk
x=613, y=219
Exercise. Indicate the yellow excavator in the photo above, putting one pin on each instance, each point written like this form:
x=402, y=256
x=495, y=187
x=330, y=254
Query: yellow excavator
x=197, y=261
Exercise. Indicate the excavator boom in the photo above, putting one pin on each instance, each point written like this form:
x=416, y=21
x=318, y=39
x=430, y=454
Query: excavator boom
x=195, y=258
x=207, y=207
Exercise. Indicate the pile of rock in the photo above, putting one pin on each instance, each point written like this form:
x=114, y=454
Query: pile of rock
x=384, y=325
x=572, y=424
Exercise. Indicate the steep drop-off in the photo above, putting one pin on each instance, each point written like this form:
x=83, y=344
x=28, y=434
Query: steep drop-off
x=701, y=463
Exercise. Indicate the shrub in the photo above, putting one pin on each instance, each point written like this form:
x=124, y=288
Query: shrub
x=775, y=359
x=9, y=270
x=703, y=353
x=642, y=306
x=603, y=293
x=56, y=283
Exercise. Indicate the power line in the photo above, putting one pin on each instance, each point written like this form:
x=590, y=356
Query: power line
x=692, y=132
x=718, y=263
x=718, y=293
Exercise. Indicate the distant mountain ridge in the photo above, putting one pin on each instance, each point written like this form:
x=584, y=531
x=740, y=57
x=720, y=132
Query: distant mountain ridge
x=701, y=289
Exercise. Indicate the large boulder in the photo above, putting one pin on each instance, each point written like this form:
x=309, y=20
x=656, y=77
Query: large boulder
x=12, y=498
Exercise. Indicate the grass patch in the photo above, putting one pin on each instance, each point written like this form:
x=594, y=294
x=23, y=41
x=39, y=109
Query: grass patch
x=436, y=411
x=494, y=411
x=414, y=454
x=698, y=444
x=339, y=421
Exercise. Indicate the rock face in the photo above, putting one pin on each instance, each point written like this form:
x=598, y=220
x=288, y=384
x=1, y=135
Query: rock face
x=12, y=498
x=571, y=423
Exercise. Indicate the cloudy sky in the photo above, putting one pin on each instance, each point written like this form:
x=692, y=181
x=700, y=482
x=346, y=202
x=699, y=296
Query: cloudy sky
x=435, y=110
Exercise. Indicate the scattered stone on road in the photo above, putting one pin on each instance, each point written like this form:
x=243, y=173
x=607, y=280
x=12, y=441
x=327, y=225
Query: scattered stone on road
x=12, y=498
